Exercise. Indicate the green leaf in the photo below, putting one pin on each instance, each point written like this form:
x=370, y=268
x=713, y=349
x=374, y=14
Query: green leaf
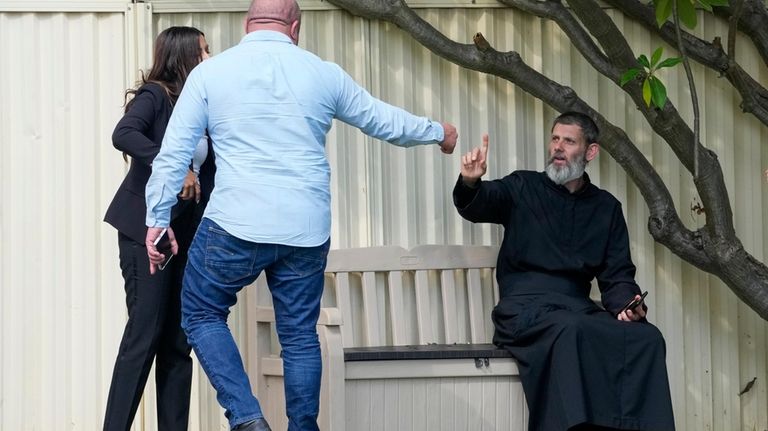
x=647, y=92
x=644, y=61
x=718, y=2
x=658, y=92
x=672, y=61
x=705, y=4
x=663, y=11
x=687, y=13
x=656, y=56
x=629, y=75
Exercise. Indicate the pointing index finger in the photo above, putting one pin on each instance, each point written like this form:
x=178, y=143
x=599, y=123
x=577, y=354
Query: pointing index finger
x=485, y=143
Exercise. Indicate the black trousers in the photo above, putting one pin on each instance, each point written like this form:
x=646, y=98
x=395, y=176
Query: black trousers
x=153, y=332
x=581, y=368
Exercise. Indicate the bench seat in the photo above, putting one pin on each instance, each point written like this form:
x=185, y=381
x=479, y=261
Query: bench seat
x=429, y=351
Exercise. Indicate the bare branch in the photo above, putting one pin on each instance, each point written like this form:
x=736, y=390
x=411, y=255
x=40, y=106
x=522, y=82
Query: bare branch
x=692, y=86
x=609, y=37
x=733, y=25
x=752, y=21
x=556, y=12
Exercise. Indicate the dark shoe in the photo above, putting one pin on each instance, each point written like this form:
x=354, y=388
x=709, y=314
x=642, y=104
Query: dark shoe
x=254, y=425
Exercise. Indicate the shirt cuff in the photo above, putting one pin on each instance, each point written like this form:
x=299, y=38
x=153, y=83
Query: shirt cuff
x=463, y=195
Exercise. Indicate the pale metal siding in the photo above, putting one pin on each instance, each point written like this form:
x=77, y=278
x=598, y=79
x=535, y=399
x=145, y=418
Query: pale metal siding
x=435, y=404
x=62, y=306
x=62, y=76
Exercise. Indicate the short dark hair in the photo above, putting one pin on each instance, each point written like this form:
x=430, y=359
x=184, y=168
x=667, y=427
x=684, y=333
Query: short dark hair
x=588, y=126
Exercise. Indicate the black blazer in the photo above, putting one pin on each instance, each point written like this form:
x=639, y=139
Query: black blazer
x=139, y=134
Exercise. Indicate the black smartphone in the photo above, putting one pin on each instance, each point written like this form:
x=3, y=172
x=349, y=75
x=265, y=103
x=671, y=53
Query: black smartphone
x=163, y=245
x=634, y=303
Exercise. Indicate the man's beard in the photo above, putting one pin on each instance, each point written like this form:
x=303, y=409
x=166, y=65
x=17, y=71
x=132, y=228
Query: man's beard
x=572, y=170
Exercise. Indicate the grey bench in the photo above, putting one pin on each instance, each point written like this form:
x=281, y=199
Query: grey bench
x=405, y=339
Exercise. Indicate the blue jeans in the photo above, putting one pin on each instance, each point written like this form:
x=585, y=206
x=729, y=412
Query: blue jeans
x=219, y=266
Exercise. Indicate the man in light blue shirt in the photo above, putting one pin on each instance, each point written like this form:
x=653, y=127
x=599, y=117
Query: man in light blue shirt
x=267, y=105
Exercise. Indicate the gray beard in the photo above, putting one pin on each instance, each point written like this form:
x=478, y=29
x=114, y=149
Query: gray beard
x=571, y=171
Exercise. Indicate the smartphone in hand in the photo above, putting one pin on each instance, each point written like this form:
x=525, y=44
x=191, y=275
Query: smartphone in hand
x=163, y=245
x=634, y=303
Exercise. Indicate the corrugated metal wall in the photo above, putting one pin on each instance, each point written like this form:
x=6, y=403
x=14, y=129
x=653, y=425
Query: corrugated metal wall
x=61, y=300
x=62, y=76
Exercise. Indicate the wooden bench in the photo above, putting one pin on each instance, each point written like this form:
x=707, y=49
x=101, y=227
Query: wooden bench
x=405, y=338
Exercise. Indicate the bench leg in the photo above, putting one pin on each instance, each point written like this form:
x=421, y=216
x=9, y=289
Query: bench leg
x=332, y=394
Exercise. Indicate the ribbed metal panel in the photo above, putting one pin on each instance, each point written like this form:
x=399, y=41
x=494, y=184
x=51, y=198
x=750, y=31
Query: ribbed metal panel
x=62, y=77
x=88, y=6
x=436, y=404
x=61, y=83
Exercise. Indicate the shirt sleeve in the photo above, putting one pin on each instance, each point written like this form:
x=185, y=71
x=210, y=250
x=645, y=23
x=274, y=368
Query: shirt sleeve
x=355, y=106
x=489, y=202
x=200, y=154
x=185, y=128
x=616, y=278
x=130, y=134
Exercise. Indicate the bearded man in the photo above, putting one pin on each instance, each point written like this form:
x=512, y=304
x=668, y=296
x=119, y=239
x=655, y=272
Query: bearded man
x=582, y=366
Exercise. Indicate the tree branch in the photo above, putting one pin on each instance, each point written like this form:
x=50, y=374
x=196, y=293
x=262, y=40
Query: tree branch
x=715, y=248
x=752, y=21
x=733, y=27
x=556, y=12
x=668, y=123
x=692, y=86
x=709, y=54
x=666, y=225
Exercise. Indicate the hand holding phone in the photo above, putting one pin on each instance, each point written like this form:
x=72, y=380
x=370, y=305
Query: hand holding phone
x=163, y=245
x=634, y=303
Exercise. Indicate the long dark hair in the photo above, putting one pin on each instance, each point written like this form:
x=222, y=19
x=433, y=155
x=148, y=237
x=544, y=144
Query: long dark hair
x=176, y=53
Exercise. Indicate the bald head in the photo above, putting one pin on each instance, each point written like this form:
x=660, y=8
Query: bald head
x=283, y=16
x=283, y=11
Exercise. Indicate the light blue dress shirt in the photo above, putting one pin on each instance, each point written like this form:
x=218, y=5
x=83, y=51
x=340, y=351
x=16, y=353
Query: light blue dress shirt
x=268, y=105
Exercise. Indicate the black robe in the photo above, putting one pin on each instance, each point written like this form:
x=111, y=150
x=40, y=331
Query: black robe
x=578, y=363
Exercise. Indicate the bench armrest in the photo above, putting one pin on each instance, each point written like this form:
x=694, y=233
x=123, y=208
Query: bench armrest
x=329, y=316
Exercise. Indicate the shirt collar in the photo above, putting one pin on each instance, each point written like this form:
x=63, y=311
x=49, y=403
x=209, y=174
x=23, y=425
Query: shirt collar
x=265, y=36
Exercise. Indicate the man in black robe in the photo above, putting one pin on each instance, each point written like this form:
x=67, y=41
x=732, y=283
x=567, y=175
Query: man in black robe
x=583, y=367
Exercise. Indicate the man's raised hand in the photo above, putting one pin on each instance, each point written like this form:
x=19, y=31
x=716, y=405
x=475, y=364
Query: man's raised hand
x=473, y=164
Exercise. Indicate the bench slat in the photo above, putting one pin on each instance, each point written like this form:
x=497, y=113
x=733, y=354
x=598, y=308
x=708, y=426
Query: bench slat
x=371, y=310
x=448, y=290
x=423, y=309
x=397, y=308
x=344, y=303
x=475, y=305
x=329, y=316
x=423, y=257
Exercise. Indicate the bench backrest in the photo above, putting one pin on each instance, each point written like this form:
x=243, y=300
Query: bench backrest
x=432, y=294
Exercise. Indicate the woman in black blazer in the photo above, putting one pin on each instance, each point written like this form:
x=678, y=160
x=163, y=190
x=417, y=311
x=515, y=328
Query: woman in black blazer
x=153, y=330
